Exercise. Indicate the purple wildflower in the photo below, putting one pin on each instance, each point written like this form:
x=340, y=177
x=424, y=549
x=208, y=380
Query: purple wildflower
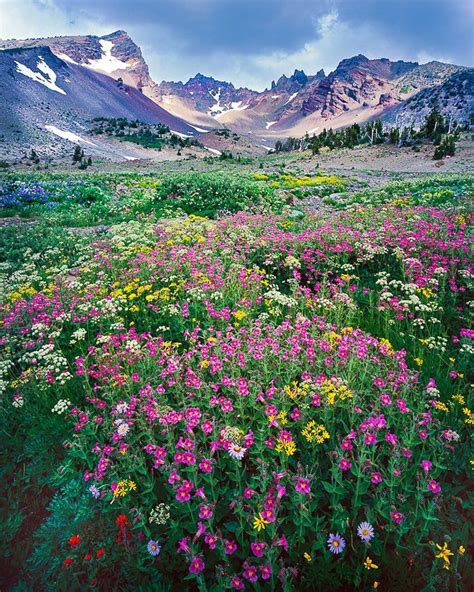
x=336, y=543
x=365, y=531
x=153, y=548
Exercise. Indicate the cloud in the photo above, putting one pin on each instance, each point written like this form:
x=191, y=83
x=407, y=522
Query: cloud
x=21, y=19
x=334, y=41
x=251, y=42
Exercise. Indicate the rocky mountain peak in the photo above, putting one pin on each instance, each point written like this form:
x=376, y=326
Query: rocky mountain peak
x=207, y=81
x=381, y=68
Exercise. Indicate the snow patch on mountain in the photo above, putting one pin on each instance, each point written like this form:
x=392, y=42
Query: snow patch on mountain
x=290, y=99
x=269, y=124
x=180, y=134
x=47, y=79
x=217, y=108
x=200, y=129
x=107, y=63
x=213, y=150
x=64, y=57
x=66, y=135
x=235, y=106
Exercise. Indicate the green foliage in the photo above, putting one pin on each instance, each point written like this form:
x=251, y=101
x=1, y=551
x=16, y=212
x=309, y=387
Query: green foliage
x=372, y=133
x=138, y=132
x=210, y=194
x=435, y=190
x=446, y=147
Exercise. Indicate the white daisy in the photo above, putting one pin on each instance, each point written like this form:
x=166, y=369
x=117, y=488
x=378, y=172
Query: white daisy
x=122, y=430
x=236, y=451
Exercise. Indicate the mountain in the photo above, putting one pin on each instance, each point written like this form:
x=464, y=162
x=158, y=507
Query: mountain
x=358, y=86
x=207, y=97
x=454, y=98
x=49, y=100
x=66, y=81
x=115, y=54
x=358, y=90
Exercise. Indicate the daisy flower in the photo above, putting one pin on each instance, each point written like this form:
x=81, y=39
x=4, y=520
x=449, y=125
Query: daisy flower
x=122, y=407
x=365, y=531
x=123, y=429
x=236, y=451
x=94, y=491
x=336, y=543
x=153, y=548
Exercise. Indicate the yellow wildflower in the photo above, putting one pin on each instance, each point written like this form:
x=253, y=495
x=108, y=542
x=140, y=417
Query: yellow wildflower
x=334, y=392
x=444, y=553
x=239, y=315
x=259, y=523
x=123, y=487
x=315, y=433
x=369, y=564
x=469, y=416
x=289, y=448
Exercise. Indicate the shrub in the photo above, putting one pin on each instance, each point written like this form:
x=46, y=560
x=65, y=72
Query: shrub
x=209, y=194
x=446, y=147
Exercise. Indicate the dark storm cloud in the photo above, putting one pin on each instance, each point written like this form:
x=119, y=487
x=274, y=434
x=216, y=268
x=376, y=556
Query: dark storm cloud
x=241, y=26
x=419, y=26
x=253, y=41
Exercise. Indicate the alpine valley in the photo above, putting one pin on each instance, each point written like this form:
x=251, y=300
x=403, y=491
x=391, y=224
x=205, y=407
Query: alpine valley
x=236, y=338
x=53, y=87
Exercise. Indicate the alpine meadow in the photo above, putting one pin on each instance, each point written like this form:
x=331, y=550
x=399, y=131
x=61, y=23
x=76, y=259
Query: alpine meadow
x=236, y=340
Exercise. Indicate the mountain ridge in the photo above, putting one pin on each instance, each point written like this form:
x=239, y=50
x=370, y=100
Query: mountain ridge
x=357, y=90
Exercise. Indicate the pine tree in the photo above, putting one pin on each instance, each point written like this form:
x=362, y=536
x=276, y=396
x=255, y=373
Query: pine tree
x=446, y=147
x=394, y=135
x=434, y=125
x=76, y=157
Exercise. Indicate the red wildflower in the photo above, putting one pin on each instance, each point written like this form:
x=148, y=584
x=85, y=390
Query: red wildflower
x=74, y=541
x=122, y=521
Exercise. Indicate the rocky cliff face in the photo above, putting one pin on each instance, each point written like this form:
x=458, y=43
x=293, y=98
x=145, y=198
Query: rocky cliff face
x=454, y=98
x=356, y=83
x=115, y=54
x=207, y=95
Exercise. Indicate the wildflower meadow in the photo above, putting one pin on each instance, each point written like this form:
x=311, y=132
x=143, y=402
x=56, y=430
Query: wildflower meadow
x=209, y=388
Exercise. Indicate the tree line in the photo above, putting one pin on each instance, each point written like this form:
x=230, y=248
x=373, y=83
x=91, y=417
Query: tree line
x=436, y=129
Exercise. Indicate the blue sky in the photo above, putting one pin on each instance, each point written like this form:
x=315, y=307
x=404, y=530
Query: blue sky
x=252, y=42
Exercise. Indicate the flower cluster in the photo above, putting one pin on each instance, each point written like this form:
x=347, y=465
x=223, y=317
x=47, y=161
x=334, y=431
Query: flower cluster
x=245, y=402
